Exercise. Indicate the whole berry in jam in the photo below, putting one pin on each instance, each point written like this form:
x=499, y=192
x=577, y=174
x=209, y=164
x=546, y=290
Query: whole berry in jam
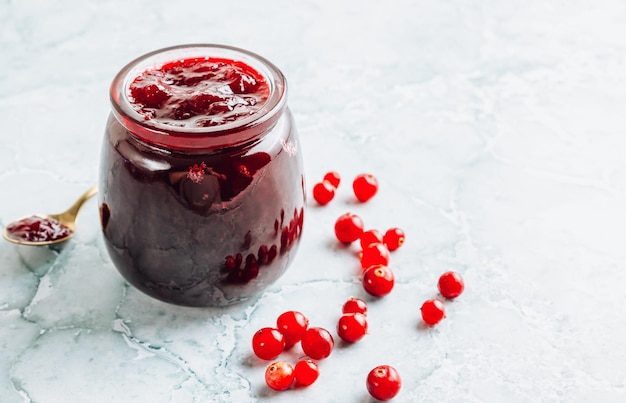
x=268, y=343
x=393, y=238
x=375, y=254
x=378, y=280
x=333, y=177
x=369, y=237
x=293, y=325
x=306, y=372
x=450, y=284
x=433, y=311
x=317, y=343
x=383, y=382
x=279, y=375
x=348, y=228
x=323, y=192
x=152, y=95
x=354, y=305
x=351, y=327
x=365, y=187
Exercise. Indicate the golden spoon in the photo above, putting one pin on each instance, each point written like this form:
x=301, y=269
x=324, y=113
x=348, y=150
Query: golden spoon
x=61, y=225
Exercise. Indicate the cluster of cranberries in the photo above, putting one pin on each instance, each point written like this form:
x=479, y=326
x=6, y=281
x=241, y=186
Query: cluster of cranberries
x=450, y=286
x=292, y=327
x=383, y=382
x=378, y=279
x=365, y=187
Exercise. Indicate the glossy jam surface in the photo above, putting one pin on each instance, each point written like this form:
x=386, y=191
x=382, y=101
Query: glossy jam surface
x=198, y=92
x=37, y=229
x=205, y=227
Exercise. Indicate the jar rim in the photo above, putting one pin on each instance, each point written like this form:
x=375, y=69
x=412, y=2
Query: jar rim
x=233, y=133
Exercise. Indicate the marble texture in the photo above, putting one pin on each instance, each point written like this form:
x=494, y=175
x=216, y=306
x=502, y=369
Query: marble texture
x=497, y=131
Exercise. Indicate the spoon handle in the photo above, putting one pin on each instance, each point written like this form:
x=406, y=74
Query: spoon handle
x=71, y=213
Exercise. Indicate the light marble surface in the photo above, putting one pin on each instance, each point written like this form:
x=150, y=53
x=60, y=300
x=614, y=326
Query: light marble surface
x=497, y=130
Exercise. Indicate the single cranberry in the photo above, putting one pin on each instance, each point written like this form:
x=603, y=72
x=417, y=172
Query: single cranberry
x=352, y=327
x=450, y=284
x=306, y=372
x=383, y=382
x=393, y=238
x=348, y=228
x=354, y=305
x=375, y=254
x=268, y=343
x=369, y=237
x=365, y=187
x=279, y=375
x=323, y=192
x=293, y=325
x=378, y=280
x=433, y=311
x=317, y=343
x=333, y=177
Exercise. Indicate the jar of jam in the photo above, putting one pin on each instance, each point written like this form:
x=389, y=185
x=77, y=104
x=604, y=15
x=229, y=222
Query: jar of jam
x=201, y=180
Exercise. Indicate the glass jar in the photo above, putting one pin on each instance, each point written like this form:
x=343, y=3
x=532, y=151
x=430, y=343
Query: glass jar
x=207, y=214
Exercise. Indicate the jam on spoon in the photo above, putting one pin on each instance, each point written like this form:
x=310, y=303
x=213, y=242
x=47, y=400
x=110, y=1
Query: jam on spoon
x=37, y=229
x=46, y=229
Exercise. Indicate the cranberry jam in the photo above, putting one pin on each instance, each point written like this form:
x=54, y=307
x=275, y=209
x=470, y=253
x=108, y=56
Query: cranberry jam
x=201, y=182
x=37, y=229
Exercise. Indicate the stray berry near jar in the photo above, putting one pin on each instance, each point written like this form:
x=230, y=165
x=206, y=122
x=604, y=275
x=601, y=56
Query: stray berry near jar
x=352, y=327
x=37, y=229
x=323, y=192
x=365, y=186
x=333, y=177
x=451, y=284
x=306, y=372
x=354, y=305
x=383, y=382
x=375, y=254
x=394, y=238
x=317, y=343
x=293, y=325
x=433, y=311
x=279, y=375
x=268, y=343
x=348, y=228
x=378, y=280
x=369, y=237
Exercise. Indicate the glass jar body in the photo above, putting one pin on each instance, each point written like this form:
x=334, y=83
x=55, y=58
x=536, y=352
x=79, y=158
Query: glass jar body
x=204, y=226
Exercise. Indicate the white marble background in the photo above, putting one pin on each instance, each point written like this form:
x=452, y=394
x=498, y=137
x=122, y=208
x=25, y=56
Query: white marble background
x=497, y=130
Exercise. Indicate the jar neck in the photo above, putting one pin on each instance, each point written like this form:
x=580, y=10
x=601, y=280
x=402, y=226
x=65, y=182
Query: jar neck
x=231, y=134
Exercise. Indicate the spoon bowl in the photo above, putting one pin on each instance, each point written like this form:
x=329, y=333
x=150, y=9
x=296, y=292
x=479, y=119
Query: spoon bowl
x=66, y=219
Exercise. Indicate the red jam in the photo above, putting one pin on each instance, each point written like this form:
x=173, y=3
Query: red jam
x=201, y=215
x=37, y=229
x=198, y=92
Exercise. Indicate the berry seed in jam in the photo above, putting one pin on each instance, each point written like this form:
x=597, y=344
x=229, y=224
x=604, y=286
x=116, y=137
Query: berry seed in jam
x=37, y=229
x=198, y=92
